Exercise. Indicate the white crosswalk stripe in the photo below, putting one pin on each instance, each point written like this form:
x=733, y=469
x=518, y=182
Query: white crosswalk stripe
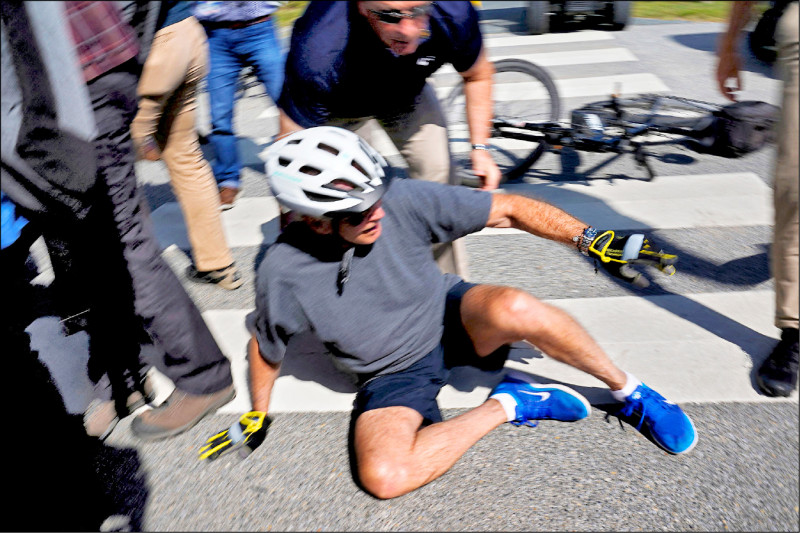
x=548, y=38
x=666, y=355
x=735, y=199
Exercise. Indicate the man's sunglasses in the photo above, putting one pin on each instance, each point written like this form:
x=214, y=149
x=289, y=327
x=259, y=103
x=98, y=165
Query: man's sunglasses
x=393, y=16
x=356, y=219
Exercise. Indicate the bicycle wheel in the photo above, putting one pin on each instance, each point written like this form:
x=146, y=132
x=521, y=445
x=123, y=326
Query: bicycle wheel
x=522, y=91
x=656, y=109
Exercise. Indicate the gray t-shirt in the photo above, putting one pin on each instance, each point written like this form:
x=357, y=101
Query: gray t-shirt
x=389, y=313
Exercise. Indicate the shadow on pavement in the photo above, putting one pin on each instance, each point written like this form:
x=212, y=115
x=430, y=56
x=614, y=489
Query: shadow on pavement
x=120, y=470
x=707, y=42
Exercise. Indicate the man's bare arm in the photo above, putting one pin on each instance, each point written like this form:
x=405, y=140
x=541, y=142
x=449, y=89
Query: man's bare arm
x=535, y=217
x=729, y=78
x=262, y=377
x=478, y=98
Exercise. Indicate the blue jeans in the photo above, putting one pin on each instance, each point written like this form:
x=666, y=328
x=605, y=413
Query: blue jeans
x=229, y=51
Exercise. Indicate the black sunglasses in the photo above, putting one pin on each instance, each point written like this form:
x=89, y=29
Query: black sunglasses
x=357, y=218
x=393, y=16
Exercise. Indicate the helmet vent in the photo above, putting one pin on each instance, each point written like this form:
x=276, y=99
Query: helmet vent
x=311, y=171
x=340, y=184
x=359, y=168
x=282, y=161
x=319, y=197
x=328, y=148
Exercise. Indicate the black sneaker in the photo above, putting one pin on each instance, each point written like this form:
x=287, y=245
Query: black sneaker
x=778, y=374
x=228, y=278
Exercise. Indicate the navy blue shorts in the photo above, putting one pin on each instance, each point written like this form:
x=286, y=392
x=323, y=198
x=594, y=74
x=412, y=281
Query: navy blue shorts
x=418, y=385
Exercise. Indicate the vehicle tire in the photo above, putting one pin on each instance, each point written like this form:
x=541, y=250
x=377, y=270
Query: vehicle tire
x=620, y=14
x=522, y=91
x=537, y=17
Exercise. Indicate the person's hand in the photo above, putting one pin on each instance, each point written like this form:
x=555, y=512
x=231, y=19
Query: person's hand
x=485, y=168
x=245, y=436
x=729, y=77
x=616, y=253
x=147, y=149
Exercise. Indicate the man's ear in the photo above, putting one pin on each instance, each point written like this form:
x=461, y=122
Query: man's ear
x=323, y=226
x=363, y=8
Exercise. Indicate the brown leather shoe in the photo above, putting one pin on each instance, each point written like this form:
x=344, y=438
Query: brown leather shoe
x=227, y=197
x=179, y=412
x=100, y=417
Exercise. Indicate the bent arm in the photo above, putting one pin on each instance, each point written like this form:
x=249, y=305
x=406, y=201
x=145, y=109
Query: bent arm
x=262, y=377
x=478, y=98
x=535, y=217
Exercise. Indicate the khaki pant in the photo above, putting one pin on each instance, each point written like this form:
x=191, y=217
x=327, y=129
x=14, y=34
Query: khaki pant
x=785, y=241
x=421, y=138
x=167, y=92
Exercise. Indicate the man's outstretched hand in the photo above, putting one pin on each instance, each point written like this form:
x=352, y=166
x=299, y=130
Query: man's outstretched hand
x=617, y=253
x=245, y=436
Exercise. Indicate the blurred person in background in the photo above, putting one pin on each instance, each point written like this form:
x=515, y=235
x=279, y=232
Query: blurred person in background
x=240, y=34
x=164, y=128
x=777, y=376
x=108, y=49
x=114, y=274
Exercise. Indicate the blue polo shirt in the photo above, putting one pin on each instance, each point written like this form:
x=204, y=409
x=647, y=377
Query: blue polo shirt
x=337, y=67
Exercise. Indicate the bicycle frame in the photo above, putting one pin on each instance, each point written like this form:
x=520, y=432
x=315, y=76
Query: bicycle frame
x=593, y=136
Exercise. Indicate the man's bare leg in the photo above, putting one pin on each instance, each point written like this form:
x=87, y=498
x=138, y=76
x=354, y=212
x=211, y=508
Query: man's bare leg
x=395, y=456
x=495, y=315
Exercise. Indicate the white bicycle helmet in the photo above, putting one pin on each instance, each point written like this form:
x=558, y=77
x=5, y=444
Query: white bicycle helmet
x=325, y=171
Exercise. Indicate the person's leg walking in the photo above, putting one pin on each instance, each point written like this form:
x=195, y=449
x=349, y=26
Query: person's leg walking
x=785, y=245
x=262, y=49
x=168, y=99
x=67, y=480
x=223, y=73
x=421, y=137
x=193, y=360
x=777, y=376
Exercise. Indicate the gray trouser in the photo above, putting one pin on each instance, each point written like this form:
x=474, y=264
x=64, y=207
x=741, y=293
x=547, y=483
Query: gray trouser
x=785, y=241
x=191, y=357
x=420, y=136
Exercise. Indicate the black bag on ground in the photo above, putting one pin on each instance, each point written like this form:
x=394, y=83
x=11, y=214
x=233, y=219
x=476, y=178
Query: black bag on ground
x=743, y=127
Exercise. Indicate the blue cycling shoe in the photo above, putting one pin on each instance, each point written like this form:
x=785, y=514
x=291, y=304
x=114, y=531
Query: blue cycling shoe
x=537, y=401
x=666, y=423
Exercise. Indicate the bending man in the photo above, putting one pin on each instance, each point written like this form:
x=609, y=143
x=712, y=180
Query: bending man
x=351, y=62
